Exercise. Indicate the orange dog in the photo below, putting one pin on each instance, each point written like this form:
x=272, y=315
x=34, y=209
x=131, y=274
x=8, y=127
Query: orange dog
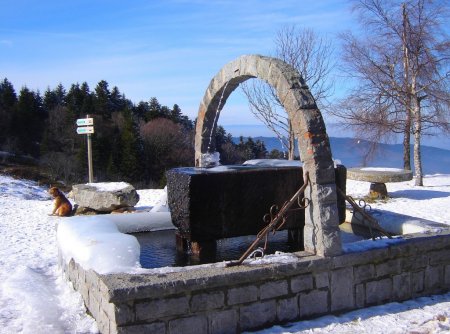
x=61, y=205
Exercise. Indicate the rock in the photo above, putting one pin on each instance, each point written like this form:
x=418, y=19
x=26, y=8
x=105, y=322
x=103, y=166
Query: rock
x=106, y=196
x=83, y=211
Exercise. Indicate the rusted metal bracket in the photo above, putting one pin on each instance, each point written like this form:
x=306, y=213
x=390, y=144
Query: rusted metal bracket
x=363, y=217
x=275, y=220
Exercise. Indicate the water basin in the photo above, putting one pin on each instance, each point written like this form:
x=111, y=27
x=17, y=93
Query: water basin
x=158, y=249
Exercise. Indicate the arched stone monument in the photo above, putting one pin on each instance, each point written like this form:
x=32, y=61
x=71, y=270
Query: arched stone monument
x=321, y=232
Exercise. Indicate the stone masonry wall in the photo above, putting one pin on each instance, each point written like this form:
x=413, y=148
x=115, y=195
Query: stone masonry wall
x=231, y=300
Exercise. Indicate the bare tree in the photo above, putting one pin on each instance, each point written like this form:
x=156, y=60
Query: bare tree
x=402, y=71
x=311, y=56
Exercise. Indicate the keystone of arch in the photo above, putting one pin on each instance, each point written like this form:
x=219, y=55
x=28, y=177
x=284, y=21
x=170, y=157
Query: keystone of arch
x=321, y=232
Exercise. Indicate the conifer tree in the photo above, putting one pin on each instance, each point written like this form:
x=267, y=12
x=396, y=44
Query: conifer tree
x=8, y=101
x=129, y=156
x=27, y=122
x=102, y=101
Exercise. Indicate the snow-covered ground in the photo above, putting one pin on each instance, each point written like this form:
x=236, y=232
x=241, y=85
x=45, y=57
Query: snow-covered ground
x=34, y=298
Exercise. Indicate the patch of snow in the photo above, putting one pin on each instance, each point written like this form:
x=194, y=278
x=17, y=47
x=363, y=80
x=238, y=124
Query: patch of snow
x=101, y=242
x=273, y=163
x=109, y=186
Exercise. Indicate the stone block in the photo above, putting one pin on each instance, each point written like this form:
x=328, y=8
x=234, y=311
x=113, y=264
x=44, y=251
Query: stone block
x=273, y=289
x=159, y=308
x=94, y=305
x=401, y=287
x=378, y=292
x=207, y=301
x=391, y=267
x=242, y=295
x=360, y=296
x=434, y=277
x=223, y=322
x=439, y=257
x=84, y=291
x=301, y=283
x=258, y=314
x=155, y=327
x=92, y=280
x=81, y=275
x=313, y=303
x=364, y=273
x=415, y=262
x=236, y=198
x=321, y=280
x=417, y=282
x=123, y=314
x=342, y=297
x=447, y=276
x=103, y=322
x=287, y=309
x=190, y=325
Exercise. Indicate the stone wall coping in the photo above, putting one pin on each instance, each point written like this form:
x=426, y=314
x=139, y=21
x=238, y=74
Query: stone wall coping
x=122, y=287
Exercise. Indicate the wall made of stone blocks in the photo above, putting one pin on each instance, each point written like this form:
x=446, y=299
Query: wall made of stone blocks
x=231, y=300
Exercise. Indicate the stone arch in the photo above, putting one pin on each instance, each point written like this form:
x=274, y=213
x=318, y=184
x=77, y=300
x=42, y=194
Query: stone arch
x=321, y=232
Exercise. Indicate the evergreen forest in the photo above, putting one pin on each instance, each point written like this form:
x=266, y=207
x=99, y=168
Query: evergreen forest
x=135, y=143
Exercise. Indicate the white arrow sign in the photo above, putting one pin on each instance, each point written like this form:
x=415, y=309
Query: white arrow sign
x=85, y=121
x=85, y=130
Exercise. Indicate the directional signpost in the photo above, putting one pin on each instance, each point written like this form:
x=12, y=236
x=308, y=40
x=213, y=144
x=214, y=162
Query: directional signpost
x=85, y=130
x=85, y=121
x=86, y=127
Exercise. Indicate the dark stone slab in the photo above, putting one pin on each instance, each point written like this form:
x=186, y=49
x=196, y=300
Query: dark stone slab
x=207, y=204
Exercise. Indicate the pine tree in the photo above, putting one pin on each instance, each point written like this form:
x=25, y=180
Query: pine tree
x=154, y=110
x=27, y=122
x=8, y=102
x=129, y=156
x=102, y=100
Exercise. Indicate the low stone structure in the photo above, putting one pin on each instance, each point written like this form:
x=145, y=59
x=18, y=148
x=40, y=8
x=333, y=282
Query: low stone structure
x=235, y=299
x=378, y=177
x=104, y=197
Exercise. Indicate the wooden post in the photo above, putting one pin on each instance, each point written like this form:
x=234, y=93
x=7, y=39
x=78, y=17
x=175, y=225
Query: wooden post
x=89, y=145
x=89, y=148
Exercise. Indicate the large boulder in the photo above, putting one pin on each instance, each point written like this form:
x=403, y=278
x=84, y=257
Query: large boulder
x=105, y=196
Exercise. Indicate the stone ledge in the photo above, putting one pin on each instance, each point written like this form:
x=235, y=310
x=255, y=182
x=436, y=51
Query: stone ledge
x=379, y=176
x=124, y=287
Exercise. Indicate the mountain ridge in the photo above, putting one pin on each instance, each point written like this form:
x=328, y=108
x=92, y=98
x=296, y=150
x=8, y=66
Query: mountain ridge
x=351, y=151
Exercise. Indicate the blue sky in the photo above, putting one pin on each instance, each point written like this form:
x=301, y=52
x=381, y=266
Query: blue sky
x=166, y=49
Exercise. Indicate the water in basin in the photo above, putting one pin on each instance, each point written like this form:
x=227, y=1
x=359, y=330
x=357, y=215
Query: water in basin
x=158, y=249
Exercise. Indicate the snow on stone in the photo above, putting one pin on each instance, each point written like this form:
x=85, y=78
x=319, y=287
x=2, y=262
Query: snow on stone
x=109, y=186
x=96, y=243
x=273, y=163
x=101, y=242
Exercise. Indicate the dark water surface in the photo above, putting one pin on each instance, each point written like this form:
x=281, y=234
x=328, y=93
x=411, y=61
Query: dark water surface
x=158, y=249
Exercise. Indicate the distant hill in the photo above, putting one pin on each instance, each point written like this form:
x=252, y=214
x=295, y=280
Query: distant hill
x=350, y=152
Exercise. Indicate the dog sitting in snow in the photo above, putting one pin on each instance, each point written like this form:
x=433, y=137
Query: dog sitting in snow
x=61, y=205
